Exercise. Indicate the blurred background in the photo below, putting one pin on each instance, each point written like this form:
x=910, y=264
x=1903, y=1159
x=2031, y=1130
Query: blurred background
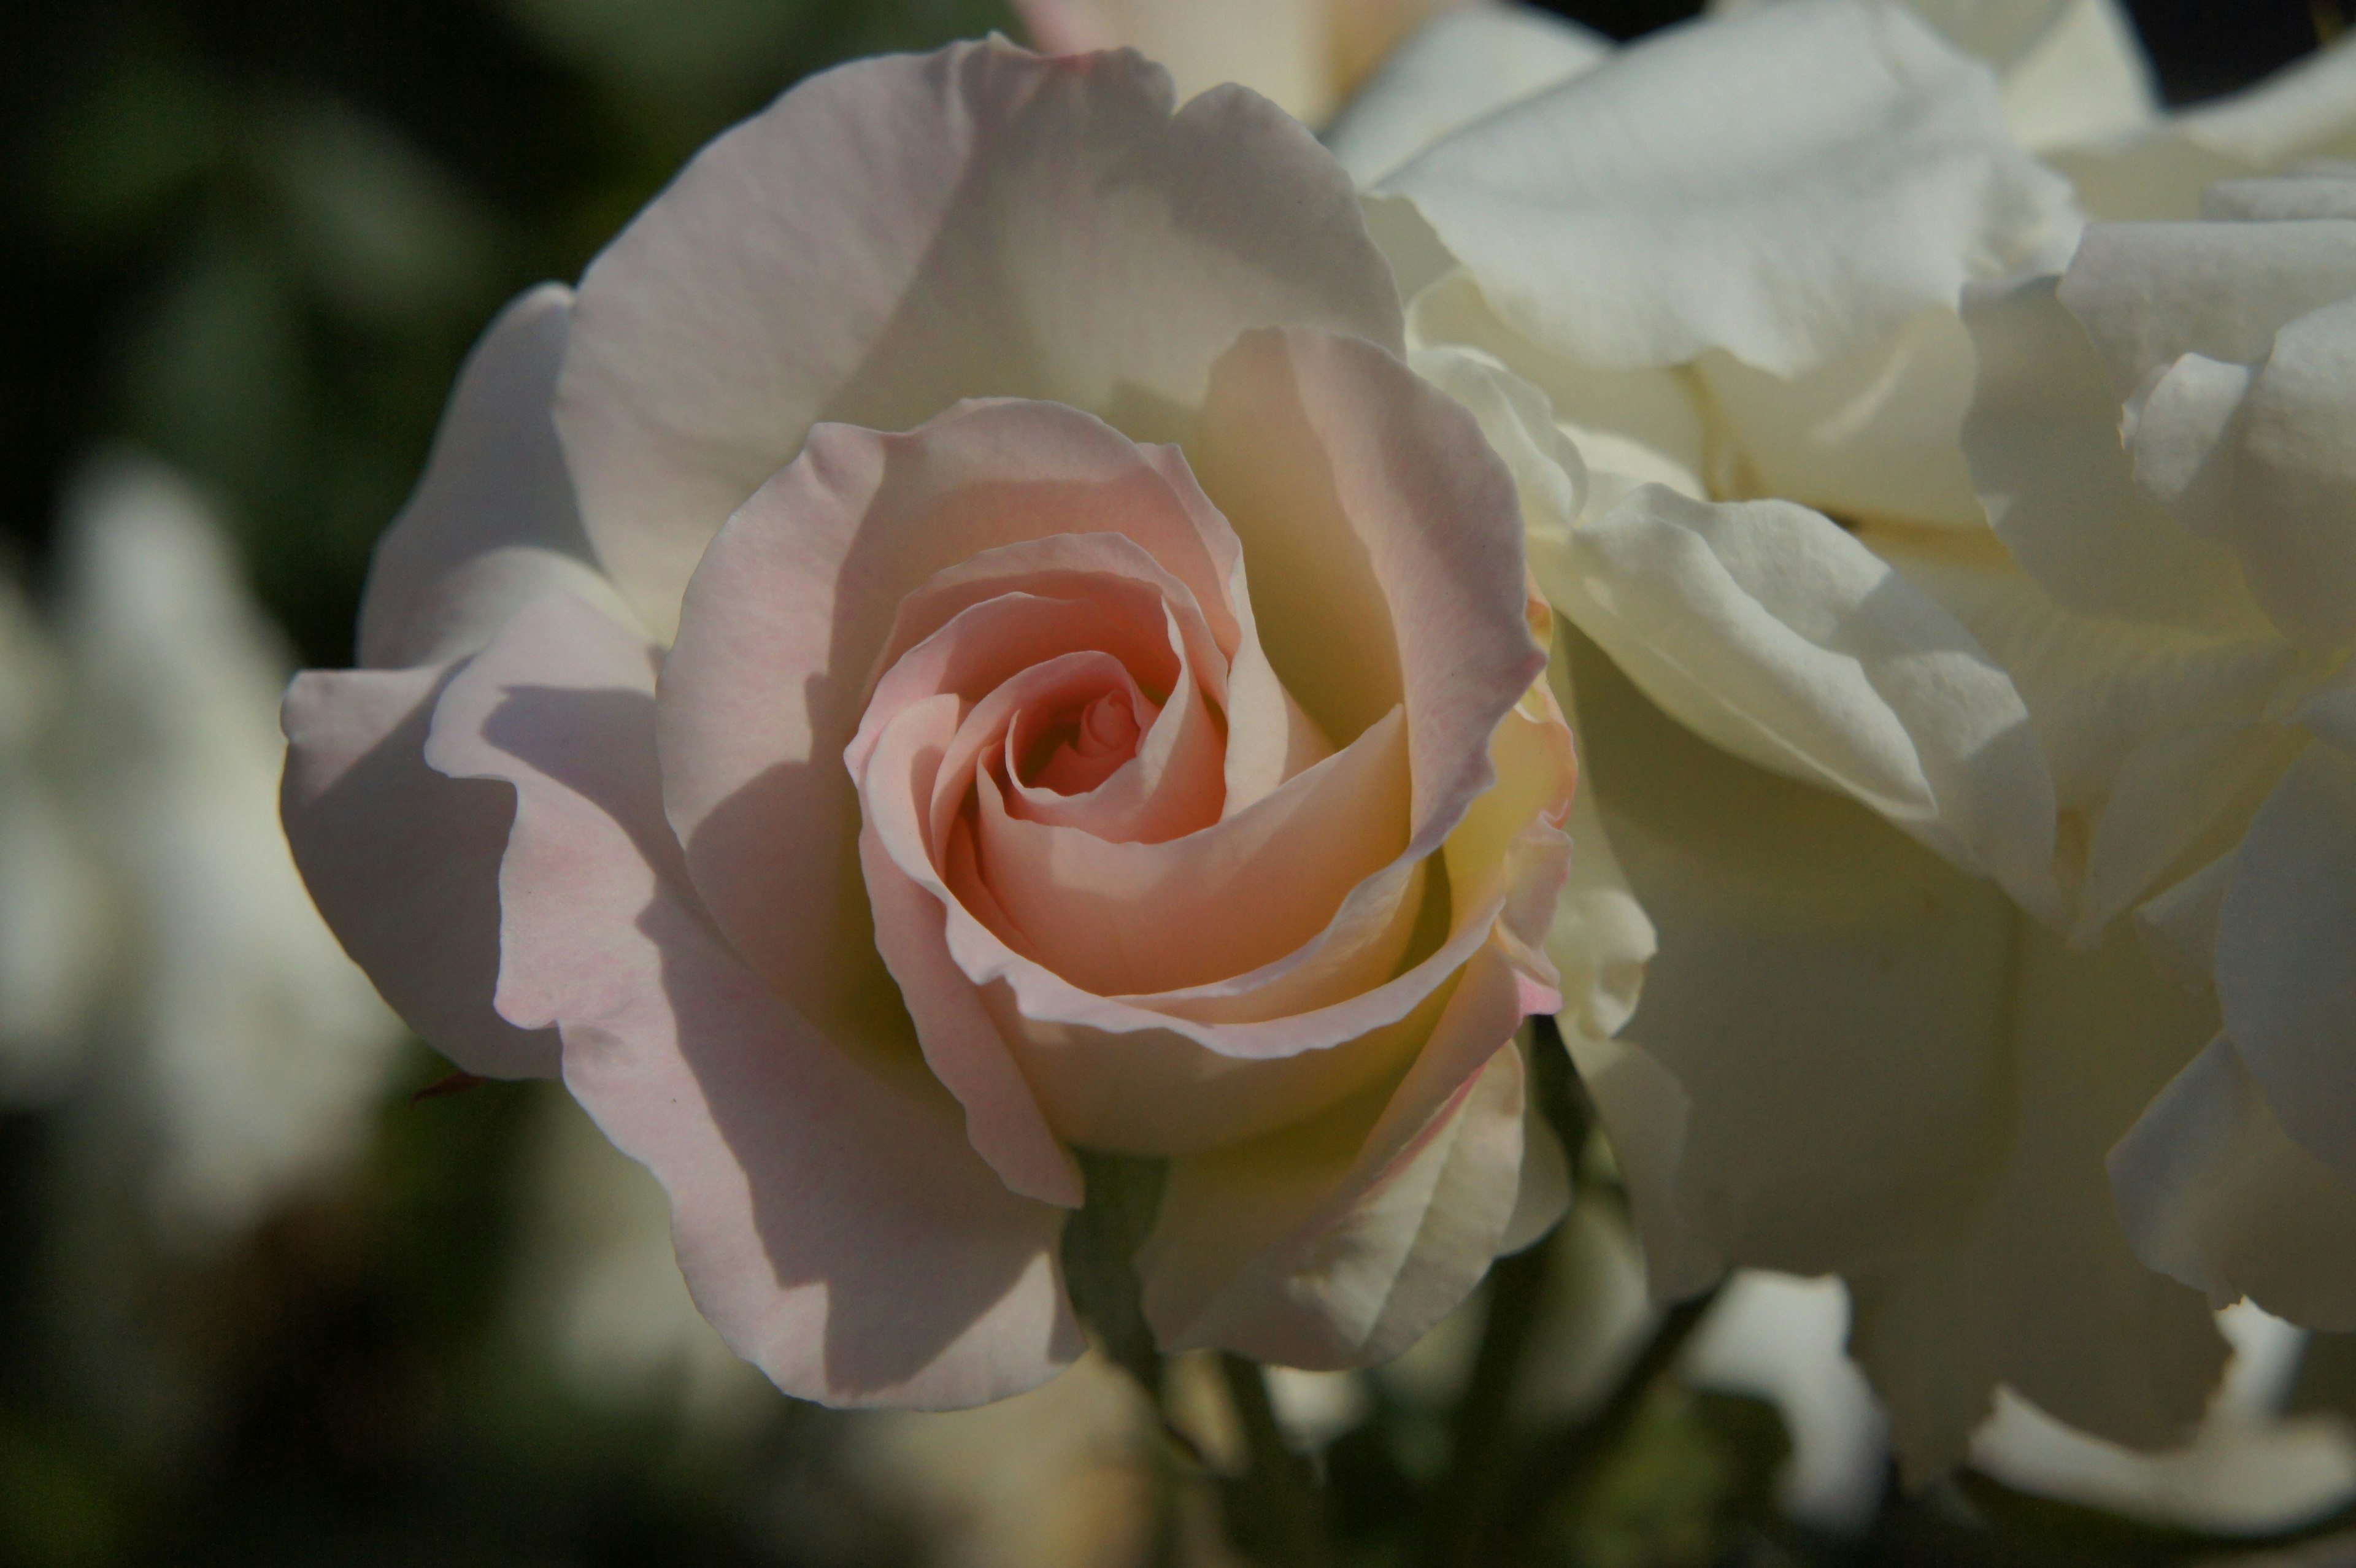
x=262, y=1303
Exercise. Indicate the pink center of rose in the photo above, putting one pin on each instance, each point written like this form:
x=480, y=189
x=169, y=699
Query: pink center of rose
x=1077, y=748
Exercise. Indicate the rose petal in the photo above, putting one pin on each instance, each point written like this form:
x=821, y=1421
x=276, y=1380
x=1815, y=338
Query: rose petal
x=1134, y=917
x=1784, y=186
x=2083, y=80
x=980, y=223
x=1147, y=1091
x=358, y=802
x=2294, y=481
x=1340, y=1243
x=492, y=525
x=2286, y=954
x=1774, y=632
x=1279, y=50
x=1875, y=433
x=796, y=600
x=2215, y=1195
x=2040, y=1290
x=2299, y=114
x=2042, y=436
x=829, y=1217
x=1827, y=1000
x=1452, y=71
x=960, y=1042
x=2152, y=731
x=2149, y=294
x=1384, y=542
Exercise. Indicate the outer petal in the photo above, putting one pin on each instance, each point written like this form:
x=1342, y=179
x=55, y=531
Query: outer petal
x=1340, y=1242
x=2286, y=954
x=1783, y=185
x=2155, y=733
x=1277, y=50
x=1772, y=632
x=2294, y=477
x=2214, y=1194
x=980, y=223
x=404, y=862
x=1875, y=432
x=2084, y=79
x=2149, y=294
x=2039, y=1289
x=2072, y=70
x=492, y=525
x=1454, y=71
x=1814, y=1074
x=2304, y=113
x=830, y=1219
x=2042, y=437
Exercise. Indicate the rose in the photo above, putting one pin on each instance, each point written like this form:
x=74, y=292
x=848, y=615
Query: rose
x=1851, y=1053
x=1010, y=784
x=2165, y=429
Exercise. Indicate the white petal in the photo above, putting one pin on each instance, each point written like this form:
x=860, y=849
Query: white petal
x=1779, y=1338
x=2295, y=477
x=2042, y=437
x=1783, y=185
x=1814, y=1073
x=2238, y=1477
x=2156, y=735
x=2040, y=1289
x=2149, y=294
x=2305, y=111
x=1453, y=71
x=1649, y=426
x=1876, y=432
x=492, y=525
x=1770, y=631
x=260, y=1047
x=2181, y=922
x=978, y=222
x=2085, y=77
x=2286, y=954
x=2213, y=1193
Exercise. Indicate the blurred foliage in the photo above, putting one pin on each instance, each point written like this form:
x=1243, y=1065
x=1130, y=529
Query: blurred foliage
x=255, y=236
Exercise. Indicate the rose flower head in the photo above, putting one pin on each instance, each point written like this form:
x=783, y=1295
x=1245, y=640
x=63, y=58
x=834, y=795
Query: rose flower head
x=963, y=643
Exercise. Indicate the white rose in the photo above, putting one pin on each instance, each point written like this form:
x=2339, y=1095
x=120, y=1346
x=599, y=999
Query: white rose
x=1725, y=268
x=2165, y=433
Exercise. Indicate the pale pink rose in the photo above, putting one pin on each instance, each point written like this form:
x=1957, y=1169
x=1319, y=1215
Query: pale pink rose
x=803, y=707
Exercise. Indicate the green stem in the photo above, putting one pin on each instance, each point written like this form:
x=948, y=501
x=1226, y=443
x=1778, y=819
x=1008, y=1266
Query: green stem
x=1465, y=1508
x=1276, y=1511
x=1565, y=1461
x=1099, y=1244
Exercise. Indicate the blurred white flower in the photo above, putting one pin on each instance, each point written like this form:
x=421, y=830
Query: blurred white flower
x=1778, y=1338
x=164, y=966
x=2246, y=1472
x=598, y=1289
x=1063, y=1475
x=52, y=900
